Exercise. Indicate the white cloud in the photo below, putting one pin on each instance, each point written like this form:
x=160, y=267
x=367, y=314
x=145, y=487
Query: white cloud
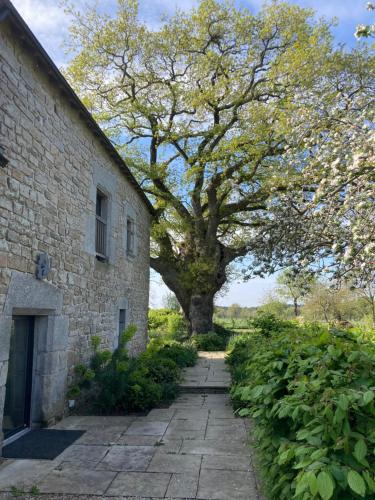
x=42, y=16
x=48, y=22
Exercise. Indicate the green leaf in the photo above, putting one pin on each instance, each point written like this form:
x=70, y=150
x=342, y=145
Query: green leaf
x=322, y=452
x=369, y=480
x=325, y=485
x=313, y=483
x=257, y=391
x=302, y=485
x=360, y=450
x=343, y=402
x=356, y=483
x=302, y=434
x=339, y=473
x=285, y=456
x=368, y=397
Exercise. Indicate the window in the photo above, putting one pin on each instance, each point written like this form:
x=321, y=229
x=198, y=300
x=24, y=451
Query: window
x=101, y=225
x=3, y=160
x=130, y=235
x=121, y=322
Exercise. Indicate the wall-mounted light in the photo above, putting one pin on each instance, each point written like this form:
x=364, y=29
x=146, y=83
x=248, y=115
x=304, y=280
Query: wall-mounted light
x=3, y=161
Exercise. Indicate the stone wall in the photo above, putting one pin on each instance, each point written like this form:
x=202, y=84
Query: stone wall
x=47, y=204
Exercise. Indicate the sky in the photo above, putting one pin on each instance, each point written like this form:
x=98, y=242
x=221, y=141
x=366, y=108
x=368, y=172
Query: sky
x=49, y=23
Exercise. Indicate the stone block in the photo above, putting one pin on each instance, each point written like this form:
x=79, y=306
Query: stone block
x=139, y=484
x=127, y=458
x=83, y=455
x=226, y=462
x=5, y=331
x=26, y=292
x=221, y=485
x=76, y=480
x=214, y=447
x=182, y=486
x=49, y=363
x=147, y=428
x=101, y=436
x=177, y=464
x=23, y=474
x=52, y=333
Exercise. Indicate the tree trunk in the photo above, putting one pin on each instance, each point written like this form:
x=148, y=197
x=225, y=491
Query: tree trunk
x=195, y=293
x=201, y=312
x=295, y=308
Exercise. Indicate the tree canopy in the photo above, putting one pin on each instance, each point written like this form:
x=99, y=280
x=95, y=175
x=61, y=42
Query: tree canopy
x=219, y=113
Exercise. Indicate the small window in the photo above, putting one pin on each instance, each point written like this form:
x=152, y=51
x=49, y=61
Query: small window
x=121, y=322
x=101, y=225
x=3, y=160
x=130, y=235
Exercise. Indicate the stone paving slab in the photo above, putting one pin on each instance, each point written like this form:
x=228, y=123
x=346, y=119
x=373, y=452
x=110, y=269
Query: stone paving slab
x=142, y=484
x=127, y=458
x=103, y=436
x=175, y=463
x=84, y=455
x=210, y=373
x=147, y=428
x=195, y=449
x=183, y=486
x=226, y=485
x=72, y=479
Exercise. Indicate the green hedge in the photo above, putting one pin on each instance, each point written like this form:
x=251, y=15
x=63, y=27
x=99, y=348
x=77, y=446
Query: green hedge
x=310, y=393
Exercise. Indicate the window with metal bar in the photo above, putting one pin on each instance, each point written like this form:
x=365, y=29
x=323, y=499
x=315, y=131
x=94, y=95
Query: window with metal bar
x=121, y=322
x=101, y=225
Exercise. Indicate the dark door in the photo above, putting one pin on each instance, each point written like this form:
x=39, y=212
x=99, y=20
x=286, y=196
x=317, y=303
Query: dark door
x=19, y=381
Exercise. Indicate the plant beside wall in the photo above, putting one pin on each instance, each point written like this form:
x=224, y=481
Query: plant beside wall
x=310, y=392
x=115, y=383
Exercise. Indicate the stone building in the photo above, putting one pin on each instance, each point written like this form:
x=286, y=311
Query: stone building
x=74, y=234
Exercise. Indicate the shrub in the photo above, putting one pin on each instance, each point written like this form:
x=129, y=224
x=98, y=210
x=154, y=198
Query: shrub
x=116, y=383
x=210, y=341
x=184, y=354
x=311, y=395
x=268, y=324
x=213, y=341
x=167, y=323
x=176, y=327
x=158, y=319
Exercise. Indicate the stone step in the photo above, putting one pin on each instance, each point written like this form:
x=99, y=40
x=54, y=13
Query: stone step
x=207, y=389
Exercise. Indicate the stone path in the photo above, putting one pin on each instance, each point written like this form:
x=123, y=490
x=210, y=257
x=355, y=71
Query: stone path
x=208, y=375
x=195, y=449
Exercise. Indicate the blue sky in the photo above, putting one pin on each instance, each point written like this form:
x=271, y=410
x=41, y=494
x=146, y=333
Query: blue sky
x=50, y=24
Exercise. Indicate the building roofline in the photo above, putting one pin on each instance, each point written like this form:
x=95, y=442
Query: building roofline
x=9, y=12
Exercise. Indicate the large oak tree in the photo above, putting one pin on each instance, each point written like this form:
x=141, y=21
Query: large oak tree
x=204, y=106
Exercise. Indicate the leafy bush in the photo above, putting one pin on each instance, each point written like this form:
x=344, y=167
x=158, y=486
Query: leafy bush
x=213, y=341
x=158, y=318
x=268, y=324
x=311, y=395
x=116, y=383
x=167, y=323
x=210, y=341
x=184, y=354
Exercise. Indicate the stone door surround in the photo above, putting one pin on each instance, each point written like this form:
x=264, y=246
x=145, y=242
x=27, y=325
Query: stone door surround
x=29, y=296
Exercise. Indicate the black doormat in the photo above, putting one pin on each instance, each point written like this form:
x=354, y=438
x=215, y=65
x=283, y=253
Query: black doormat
x=42, y=444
